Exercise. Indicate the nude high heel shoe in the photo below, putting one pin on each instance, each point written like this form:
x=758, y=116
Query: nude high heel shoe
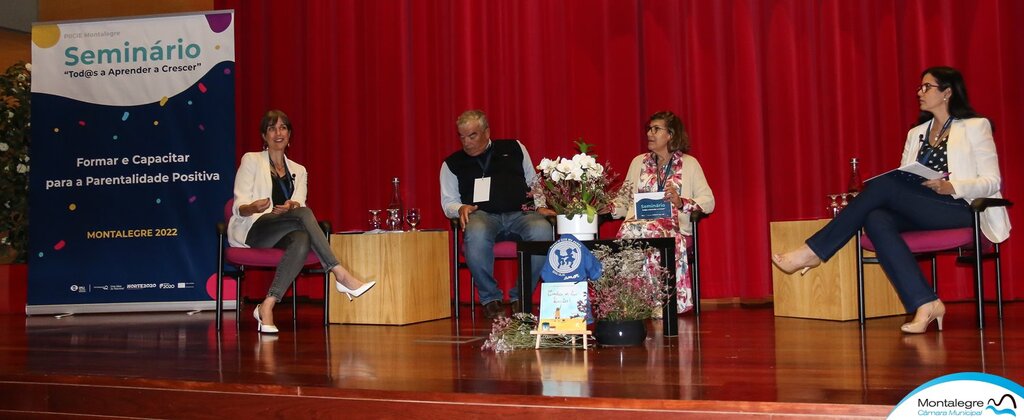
x=353, y=293
x=931, y=311
x=800, y=259
x=269, y=329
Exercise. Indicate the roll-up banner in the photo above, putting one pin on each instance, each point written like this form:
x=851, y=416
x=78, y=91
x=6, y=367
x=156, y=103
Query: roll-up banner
x=132, y=160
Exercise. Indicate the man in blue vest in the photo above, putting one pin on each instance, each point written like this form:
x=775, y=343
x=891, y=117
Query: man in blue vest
x=485, y=185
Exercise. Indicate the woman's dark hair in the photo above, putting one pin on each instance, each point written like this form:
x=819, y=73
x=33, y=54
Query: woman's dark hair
x=959, y=105
x=271, y=118
x=680, y=140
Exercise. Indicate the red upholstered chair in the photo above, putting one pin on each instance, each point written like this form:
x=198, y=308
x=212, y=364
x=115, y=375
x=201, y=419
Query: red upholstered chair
x=260, y=258
x=502, y=250
x=968, y=243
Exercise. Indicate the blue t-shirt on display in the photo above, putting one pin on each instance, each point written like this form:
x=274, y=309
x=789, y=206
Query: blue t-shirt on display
x=569, y=261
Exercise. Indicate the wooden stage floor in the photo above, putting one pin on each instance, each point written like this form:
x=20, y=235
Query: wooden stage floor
x=734, y=362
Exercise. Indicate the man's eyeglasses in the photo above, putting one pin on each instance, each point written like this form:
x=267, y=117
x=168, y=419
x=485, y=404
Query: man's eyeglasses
x=925, y=86
x=655, y=128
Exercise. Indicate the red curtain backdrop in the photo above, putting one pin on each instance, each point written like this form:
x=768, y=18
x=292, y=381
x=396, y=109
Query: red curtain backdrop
x=777, y=97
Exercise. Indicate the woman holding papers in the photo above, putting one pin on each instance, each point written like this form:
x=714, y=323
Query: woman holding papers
x=954, y=141
x=270, y=211
x=667, y=185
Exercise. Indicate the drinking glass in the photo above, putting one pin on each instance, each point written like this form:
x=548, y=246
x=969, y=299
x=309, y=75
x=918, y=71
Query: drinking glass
x=374, y=219
x=412, y=216
x=833, y=207
x=394, y=221
x=845, y=201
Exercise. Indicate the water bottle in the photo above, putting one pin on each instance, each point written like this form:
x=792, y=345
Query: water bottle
x=855, y=184
x=396, y=202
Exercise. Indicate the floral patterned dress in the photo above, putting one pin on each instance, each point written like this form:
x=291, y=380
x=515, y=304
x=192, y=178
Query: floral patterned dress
x=663, y=228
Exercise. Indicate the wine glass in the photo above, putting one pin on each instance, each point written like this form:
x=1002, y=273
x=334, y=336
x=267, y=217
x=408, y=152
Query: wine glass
x=845, y=201
x=374, y=219
x=833, y=207
x=394, y=221
x=412, y=216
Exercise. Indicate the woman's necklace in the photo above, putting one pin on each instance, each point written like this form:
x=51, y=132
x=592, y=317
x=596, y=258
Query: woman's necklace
x=938, y=135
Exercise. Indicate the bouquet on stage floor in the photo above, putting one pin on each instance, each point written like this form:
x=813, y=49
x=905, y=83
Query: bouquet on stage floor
x=575, y=186
x=513, y=333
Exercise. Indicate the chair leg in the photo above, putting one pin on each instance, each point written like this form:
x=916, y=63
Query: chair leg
x=327, y=295
x=979, y=291
x=999, y=281
x=860, y=281
x=295, y=299
x=695, y=270
x=220, y=282
x=455, y=268
x=220, y=296
x=935, y=275
x=238, y=298
x=472, y=297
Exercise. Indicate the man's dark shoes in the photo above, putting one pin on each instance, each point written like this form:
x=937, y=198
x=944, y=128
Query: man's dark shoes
x=493, y=310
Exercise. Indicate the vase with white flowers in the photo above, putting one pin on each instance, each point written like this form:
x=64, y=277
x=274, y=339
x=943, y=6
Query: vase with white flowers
x=577, y=189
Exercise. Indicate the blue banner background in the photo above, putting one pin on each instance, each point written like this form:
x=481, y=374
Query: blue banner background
x=66, y=266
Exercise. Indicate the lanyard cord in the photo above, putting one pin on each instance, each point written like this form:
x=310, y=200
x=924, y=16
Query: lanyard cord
x=663, y=175
x=286, y=182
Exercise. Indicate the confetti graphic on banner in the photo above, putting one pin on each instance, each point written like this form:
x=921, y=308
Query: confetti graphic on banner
x=59, y=245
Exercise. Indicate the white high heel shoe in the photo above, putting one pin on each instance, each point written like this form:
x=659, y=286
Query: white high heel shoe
x=269, y=329
x=354, y=293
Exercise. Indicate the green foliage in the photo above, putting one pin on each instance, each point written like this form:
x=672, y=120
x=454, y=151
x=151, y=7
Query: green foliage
x=15, y=94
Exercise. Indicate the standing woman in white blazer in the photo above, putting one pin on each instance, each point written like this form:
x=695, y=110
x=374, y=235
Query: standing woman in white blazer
x=270, y=211
x=951, y=138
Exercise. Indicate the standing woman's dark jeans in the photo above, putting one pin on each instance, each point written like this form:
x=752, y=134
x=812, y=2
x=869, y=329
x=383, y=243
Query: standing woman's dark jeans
x=891, y=204
x=296, y=232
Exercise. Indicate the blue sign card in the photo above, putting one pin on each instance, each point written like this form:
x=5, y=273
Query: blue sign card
x=652, y=206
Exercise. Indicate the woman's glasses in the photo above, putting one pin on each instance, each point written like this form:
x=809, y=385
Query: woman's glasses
x=655, y=128
x=925, y=86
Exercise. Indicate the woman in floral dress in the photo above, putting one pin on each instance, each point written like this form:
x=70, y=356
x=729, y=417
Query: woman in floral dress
x=667, y=168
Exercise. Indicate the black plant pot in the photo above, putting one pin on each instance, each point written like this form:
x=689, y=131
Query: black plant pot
x=620, y=333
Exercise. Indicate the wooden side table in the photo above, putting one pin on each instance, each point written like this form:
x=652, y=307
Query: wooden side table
x=828, y=291
x=411, y=271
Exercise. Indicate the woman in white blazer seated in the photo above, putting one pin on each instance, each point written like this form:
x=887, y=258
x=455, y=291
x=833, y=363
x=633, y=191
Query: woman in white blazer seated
x=270, y=211
x=951, y=138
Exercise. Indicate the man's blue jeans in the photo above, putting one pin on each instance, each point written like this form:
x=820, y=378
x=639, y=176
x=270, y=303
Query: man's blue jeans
x=484, y=229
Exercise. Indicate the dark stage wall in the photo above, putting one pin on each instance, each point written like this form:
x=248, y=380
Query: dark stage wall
x=777, y=96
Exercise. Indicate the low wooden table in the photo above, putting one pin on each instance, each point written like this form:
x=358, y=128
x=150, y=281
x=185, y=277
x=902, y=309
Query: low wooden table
x=411, y=271
x=828, y=291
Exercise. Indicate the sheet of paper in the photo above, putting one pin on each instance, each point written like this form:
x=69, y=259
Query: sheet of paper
x=916, y=169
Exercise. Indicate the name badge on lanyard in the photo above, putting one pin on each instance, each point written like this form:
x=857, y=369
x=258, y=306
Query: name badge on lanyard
x=482, y=185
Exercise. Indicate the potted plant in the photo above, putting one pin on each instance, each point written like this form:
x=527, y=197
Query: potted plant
x=14, y=162
x=576, y=188
x=631, y=290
